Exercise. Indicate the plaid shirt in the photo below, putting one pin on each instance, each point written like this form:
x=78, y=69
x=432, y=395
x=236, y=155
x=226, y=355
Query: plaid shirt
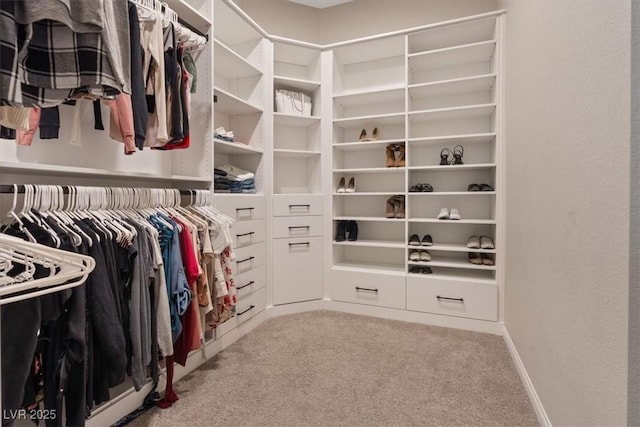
x=56, y=64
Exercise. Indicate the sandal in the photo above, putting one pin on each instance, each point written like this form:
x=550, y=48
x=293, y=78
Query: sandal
x=458, y=152
x=486, y=187
x=444, y=156
x=427, y=188
x=474, y=187
x=416, y=188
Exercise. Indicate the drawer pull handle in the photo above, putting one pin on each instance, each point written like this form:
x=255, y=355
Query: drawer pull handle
x=358, y=288
x=245, y=234
x=299, y=206
x=245, y=260
x=450, y=299
x=251, y=307
x=244, y=286
x=244, y=209
x=300, y=244
x=295, y=227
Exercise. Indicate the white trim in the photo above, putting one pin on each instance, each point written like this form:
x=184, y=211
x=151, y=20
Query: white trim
x=543, y=419
x=299, y=307
x=247, y=18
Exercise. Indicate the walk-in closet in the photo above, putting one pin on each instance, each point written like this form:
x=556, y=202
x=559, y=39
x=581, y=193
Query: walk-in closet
x=320, y=212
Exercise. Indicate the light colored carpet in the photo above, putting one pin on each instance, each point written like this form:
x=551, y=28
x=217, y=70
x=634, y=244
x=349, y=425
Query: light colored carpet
x=324, y=368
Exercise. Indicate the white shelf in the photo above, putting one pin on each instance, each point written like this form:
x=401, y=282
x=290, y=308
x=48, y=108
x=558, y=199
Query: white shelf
x=385, y=96
x=299, y=154
x=231, y=104
x=260, y=194
x=227, y=147
x=454, y=113
x=452, y=56
x=380, y=193
x=361, y=267
x=367, y=218
x=287, y=82
x=448, y=168
x=475, y=138
x=365, y=145
x=372, y=244
x=188, y=14
x=376, y=120
x=452, y=263
x=230, y=64
x=369, y=170
x=452, y=35
x=482, y=83
x=452, y=247
x=482, y=277
x=6, y=167
x=451, y=221
x=451, y=193
x=296, y=121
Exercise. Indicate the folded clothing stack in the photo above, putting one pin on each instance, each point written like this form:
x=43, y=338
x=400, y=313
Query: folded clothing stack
x=232, y=179
x=224, y=135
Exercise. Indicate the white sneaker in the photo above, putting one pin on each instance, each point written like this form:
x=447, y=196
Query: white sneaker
x=444, y=213
x=454, y=214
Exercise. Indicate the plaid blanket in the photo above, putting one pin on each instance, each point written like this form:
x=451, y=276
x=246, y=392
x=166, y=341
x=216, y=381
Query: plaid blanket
x=46, y=63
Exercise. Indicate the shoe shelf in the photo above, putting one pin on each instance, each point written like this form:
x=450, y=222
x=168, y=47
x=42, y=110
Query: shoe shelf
x=370, y=193
x=369, y=103
x=232, y=104
x=452, y=93
x=367, y=218
x=452, y=140
x=453, y=221
x=299, y=154
x=282, y=119
x=451, y=193
x=371, y=121
x=235, y=148
x=451, y=263
x=230, y=64
x=369, y=170
x=451, y=247
x=466, y=112
x=364, y=267
x=452, y=35
x=481, y=277
x=371, y=243
x=448, y=168
x=366, y=145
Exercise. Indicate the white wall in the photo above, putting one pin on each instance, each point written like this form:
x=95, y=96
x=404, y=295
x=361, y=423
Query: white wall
x=357, y=19
x=568, y=174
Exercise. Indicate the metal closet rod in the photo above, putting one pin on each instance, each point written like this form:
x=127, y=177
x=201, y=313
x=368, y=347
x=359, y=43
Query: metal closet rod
x=9, y=189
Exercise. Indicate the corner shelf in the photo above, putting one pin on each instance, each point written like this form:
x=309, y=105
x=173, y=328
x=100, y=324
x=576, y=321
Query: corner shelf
x=295, y=121
x=293, y=83
x=235, y=148
x=230, y=64
x=231, y=104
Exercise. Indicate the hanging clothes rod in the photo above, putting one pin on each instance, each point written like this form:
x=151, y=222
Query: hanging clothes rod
x=9, y=189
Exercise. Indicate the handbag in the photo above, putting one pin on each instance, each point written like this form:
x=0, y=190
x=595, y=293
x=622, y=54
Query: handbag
x=293, y=103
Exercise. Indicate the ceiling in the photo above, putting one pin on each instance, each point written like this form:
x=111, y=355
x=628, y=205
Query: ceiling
x=320, y=4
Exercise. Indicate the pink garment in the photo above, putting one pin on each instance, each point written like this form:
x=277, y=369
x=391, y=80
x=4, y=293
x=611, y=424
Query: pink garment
x=25, y=136
x=121, y=127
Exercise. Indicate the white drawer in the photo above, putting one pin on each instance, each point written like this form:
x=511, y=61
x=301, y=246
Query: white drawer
x=241, y=208
x=245, y=233
x=226, y=327
x=285, y=205
x=297, y=269
x=297, y=226
x=452, y=297
x=385, y=290
x=248, y=258
x=252, y=305
x=251, y=281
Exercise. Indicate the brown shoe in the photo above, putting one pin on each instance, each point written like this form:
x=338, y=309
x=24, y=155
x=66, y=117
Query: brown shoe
x=391, y=156
x=399, y=205
x=390, y=212
x=363, y=135
x=400, y=162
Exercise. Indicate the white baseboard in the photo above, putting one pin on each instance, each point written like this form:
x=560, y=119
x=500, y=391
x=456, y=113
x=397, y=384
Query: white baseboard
x=543, y=419
x=298, y=307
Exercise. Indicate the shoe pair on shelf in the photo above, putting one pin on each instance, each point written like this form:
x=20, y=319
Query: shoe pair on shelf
x=452, y=214
x=351, y=188
x=455, y=154
x=421, y=188
x=416, y=255
x=480, y=187
x=373, y=137
x=347, y=230
x=480, y=259
x=419, y=269
x=482, y=242
x=395, y=207
x=224, y=135
x=414, y=240
x=393, y=160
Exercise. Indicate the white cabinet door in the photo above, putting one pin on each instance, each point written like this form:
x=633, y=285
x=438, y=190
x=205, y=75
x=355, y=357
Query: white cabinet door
x=297, y=269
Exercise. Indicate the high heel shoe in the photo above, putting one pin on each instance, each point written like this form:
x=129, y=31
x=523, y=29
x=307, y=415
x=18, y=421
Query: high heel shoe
x=400, y=162
x=363, y=135
x=341, y=186
x=351, y=188
x=391, y=156
x=374, y=135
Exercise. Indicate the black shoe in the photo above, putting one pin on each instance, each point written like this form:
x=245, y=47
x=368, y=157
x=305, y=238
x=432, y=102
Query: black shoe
x=427, y=240
x=341, y=231
x=458, y=152
x=414, y=240
x=352, y=231
x=415, y=269
x=444, y=156
x=426, y=270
